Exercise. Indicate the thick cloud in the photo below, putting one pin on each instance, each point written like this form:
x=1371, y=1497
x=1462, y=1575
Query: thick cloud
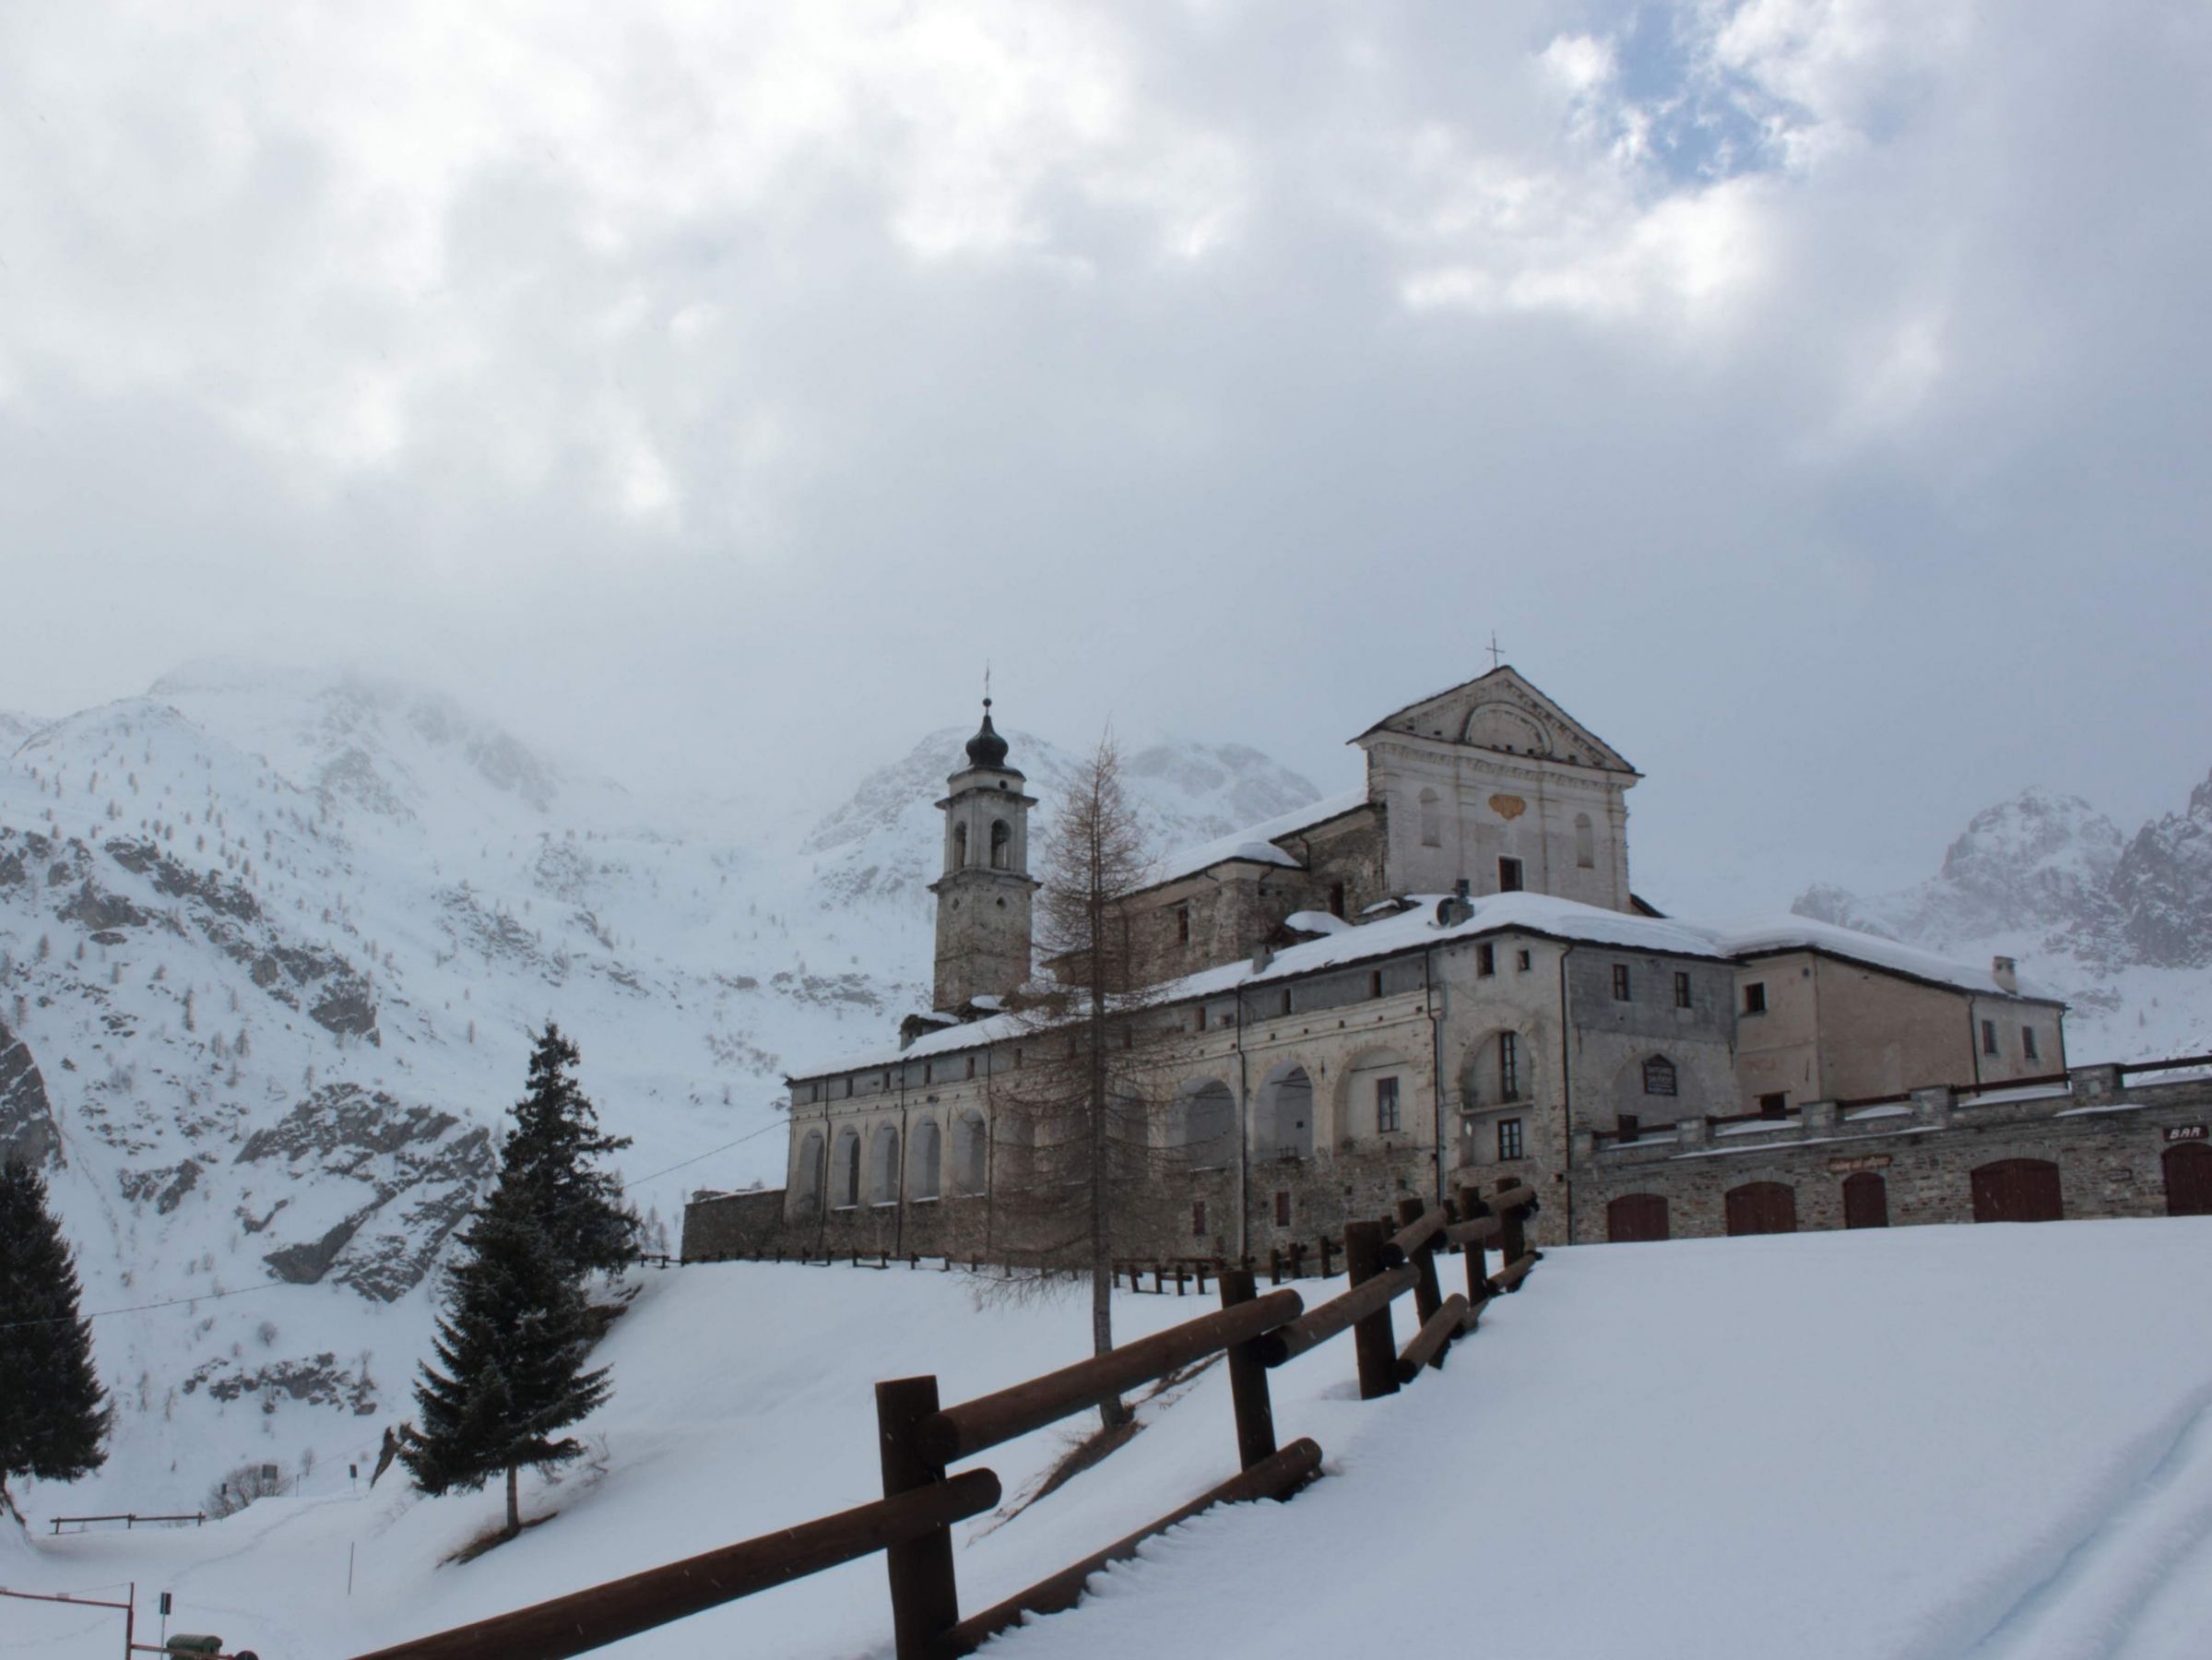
x=1810, y=395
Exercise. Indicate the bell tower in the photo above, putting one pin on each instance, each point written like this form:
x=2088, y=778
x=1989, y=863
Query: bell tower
x=983, y=898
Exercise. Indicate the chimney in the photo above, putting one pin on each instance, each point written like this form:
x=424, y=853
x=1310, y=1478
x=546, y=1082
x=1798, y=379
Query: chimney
x=2006, y=972
x=1262, y=959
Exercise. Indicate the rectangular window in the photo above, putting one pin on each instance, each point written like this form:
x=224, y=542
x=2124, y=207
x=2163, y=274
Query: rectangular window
x=1620, y=982
x=1017, y=1060
x=1182, y=925
x=1201, y=1017
x=1486, y=960
x=1775, y=1106
x=1198, y=1218
x=1286, y=999
x=1508, y=875
x=1282, y=1209
x=2028, y=1045
x=1682, y=989
x=1508, y=1139
x=1754, y=996
x=971, y=1066
x=929, y=1072
x=1989, y=1037
x=1375, y=983
x=1336, y=898
x=1521, y=961
x=1626, y=1126
x=1386, y=1105
x=1509, y=1067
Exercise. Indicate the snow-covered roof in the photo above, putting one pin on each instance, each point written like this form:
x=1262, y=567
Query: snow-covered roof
x=1256, y=843
x=1409, y=930
x=1751, y=936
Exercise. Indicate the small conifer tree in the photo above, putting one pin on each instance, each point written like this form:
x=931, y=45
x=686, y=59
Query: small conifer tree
x=549, y=1157
x=508, y=1373
x=54, y=1414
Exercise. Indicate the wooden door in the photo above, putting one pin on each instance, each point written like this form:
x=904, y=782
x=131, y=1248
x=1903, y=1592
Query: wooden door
x=1635, y=1218
x=2188, y=1180
x=1865, y=1201
x=2017, y=1190
x=1762, y=1207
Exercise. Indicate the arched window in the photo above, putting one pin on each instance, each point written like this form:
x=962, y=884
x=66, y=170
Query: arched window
x=845, y=1169
x=969, y=1145
x=1285, y=1116
x=1432, y=819
x=1586, y=843
x=883, y=1165
x=810, y=1173
x=1204, y=1125
x=1003, y=839
x=960, y=847
x=928, y=1145
x=1659, y=1076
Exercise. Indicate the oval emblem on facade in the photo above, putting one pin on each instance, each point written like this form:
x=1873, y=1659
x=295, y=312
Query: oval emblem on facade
x=1508, y=807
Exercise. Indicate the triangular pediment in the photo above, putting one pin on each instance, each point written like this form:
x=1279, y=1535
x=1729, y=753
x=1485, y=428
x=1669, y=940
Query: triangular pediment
x=1503, y=713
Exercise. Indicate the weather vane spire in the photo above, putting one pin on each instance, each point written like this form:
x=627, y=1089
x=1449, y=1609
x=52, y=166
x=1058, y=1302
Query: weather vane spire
x=986, y=683
x=1496, y=656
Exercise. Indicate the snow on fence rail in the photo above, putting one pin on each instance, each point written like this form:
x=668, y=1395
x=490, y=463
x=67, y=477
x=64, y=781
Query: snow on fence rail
x=912, y=1524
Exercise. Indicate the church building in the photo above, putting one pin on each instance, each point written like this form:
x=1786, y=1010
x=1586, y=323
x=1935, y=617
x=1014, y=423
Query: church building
x=1441, y=979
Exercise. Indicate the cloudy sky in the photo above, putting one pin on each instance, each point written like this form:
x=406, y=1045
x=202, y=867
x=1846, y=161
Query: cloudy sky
x=1811, y=394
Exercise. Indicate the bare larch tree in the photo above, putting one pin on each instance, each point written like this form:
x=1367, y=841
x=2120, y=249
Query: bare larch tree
x=1078, y=1160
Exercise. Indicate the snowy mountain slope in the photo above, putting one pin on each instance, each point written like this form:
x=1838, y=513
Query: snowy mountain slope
x=881, y=846
x=1870, y=1497
x=16, y=728
x=2121, y=925
x=271, y=947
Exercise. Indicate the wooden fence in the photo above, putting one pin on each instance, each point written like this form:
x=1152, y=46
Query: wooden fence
x=920, y=1440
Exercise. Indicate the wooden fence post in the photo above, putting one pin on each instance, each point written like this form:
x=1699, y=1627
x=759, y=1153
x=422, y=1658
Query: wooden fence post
x=1372, y=1340
x=1511, y=1243
x=925, y=1599
x=1298, y=1258
x=1326, y=1272
x=1248, y=1379
x=1427, y=1297
x=1478, y=1277
x=1274, y=1264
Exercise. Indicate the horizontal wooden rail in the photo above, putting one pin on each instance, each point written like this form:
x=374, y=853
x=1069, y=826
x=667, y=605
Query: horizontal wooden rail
x=1429, y=1343
x=587, y=1619
x=2178, y=1063
x=1274, y=1478
x=1506, y=1199
x=129, y=1519
x=959, y=1431
x=1340, y=1313
x=1509, y=1278
x=1415, y=1234
x=1480, y=1231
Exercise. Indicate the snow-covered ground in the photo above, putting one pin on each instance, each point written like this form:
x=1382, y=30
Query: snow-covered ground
x=1929, y=1442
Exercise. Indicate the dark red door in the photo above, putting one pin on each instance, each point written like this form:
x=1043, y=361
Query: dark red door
x=1762, y=1207
x=2188, y=1180
x=1635, y=1216
x=2017, y=1190
x=1865, y=1201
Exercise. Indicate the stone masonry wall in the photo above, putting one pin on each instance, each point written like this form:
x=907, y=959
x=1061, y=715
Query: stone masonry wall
x=2108, y=1142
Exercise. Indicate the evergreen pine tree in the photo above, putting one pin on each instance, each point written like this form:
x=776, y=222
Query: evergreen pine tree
x=54, y=1414
x=548, y=1157
x=509, y=1368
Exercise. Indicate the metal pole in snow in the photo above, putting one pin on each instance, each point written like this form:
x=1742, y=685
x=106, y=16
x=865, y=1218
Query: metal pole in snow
x=349, y=1568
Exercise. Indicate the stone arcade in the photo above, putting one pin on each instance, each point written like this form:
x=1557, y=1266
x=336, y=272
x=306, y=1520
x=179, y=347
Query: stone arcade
x=1445, y=979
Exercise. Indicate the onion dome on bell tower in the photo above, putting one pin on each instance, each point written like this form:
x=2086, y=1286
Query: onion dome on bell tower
x=986, y=748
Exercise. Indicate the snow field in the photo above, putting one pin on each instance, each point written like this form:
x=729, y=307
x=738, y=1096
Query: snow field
x=1916, y=1443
